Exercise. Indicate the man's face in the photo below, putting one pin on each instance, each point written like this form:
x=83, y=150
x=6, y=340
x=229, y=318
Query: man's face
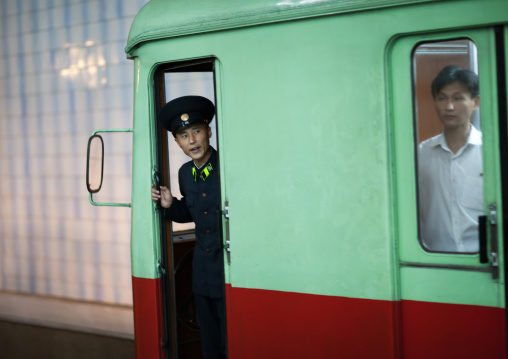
x=195, y=142
x=454, y=106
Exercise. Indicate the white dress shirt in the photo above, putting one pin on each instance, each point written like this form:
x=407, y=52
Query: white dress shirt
x=450, y=194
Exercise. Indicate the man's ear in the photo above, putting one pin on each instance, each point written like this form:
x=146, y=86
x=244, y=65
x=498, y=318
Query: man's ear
x=177, y=142
x=209, y=132
x=476, y=102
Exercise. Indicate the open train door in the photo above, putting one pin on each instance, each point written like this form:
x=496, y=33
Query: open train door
x=452, y=301
x=181, y=325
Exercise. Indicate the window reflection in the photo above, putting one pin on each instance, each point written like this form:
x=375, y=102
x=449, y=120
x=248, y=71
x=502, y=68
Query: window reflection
x=449, y=155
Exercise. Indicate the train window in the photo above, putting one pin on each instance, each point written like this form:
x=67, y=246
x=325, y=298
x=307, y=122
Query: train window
x=449, y=145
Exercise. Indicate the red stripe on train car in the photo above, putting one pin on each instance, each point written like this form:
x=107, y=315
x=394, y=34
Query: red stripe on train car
x=272, y=324
x=148, y=318
x=440, y=330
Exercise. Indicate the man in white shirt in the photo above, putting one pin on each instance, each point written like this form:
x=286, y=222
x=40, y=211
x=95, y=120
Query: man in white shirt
x=450, y=170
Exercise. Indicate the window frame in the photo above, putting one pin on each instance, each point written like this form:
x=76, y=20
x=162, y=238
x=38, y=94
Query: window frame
x=403, y=148
x=417, y=124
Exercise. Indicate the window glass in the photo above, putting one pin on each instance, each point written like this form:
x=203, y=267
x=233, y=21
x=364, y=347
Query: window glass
x=449, y=145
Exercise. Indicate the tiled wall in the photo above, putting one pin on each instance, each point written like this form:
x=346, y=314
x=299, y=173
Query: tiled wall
x=63, y=74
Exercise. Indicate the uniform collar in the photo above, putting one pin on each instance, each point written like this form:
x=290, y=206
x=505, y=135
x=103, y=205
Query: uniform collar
x=211, y=159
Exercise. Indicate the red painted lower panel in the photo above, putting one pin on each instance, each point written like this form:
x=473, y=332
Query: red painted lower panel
x=272, y=324
x=440, y=330
x=148, y=318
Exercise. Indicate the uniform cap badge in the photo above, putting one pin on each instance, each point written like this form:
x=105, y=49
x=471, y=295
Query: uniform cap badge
x=184, y=117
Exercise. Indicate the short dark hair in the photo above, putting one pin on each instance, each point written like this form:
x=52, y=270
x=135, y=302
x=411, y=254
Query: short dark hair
x=451, y=74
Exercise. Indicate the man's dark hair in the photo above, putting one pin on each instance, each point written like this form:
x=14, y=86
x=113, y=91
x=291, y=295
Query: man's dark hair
x=451, y=74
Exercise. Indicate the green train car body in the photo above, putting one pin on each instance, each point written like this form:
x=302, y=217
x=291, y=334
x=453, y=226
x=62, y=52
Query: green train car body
x=316, y=138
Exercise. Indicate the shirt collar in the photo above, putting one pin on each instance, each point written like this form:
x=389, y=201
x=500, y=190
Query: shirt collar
x=474, y=138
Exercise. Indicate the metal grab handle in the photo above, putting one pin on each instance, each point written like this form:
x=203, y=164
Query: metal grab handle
x=482, y=236
x=157, y=181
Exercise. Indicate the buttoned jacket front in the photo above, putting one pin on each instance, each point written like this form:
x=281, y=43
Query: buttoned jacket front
x=200, y=204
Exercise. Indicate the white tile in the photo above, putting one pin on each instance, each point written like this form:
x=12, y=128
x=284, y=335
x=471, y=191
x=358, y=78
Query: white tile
x=57, y=39
x=78, y=33
x=59, y=145
x=12, y=25
x=12, y=7
x=57, y=15
x=130, y=8
x=110, y=10
x=14, y=107
x=26, y=21
x=93, y=11
x=76, y=14
x=94, y=32
x=30, y=84
x=13, y=45
x=13, y=66
x=43, y=20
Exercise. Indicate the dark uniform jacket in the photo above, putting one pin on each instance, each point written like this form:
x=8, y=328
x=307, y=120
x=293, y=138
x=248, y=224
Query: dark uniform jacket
x=199, y=204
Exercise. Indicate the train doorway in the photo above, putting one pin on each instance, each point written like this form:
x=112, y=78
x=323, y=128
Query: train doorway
x=178, y=240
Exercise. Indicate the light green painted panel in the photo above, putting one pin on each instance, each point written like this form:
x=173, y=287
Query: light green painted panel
x=296, y=225
x=160, y=19
x=449, y=286
x=316, y=216
x=304, y=144
x=145, y=245
x=223, y=177
x=305, y=217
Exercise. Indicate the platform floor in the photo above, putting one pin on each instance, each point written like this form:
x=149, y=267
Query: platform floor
x=21, y=341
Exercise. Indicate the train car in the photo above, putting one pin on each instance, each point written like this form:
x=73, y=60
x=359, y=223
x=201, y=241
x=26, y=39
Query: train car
x=321, y=107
